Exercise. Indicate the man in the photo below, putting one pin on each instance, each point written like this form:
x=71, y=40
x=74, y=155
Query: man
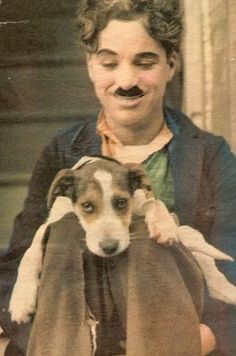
x=131, y=55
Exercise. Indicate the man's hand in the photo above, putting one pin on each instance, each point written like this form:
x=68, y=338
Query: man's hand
x=208, y=339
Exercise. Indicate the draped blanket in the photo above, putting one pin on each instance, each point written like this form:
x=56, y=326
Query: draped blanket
x=149, y=297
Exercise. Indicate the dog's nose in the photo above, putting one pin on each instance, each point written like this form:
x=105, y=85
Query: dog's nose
x=109, y=246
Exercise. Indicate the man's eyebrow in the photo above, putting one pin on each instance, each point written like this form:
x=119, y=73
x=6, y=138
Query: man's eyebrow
x=147, y=55
x=106, y=51
x=138, y=56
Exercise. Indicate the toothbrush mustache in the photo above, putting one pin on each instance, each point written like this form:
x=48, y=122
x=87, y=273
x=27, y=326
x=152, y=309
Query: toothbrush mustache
x=133, y=92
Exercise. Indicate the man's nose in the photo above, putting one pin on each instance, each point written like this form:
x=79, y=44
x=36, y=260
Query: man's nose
x=127, y=78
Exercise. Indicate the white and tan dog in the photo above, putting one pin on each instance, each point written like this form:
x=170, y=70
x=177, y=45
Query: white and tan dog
x=105, y=195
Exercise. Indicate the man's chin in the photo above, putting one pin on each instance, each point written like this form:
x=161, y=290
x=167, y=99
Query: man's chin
x=127, y=118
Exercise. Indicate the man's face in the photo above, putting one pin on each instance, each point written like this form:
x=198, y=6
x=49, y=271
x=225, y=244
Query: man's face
x=130, y=71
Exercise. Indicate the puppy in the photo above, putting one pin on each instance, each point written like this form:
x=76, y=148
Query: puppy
x=104, y=195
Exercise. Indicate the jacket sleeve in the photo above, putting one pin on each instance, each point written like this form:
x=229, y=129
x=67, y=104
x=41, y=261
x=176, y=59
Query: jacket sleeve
x=221, y=317
x=223, y=233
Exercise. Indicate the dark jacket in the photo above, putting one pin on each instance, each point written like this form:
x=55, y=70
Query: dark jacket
x=204, y=175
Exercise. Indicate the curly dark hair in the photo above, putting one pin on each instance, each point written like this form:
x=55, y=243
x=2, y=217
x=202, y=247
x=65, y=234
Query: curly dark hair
x=161, y=18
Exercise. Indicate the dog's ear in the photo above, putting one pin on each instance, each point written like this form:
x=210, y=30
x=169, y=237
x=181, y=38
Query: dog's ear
x=137, y=177
x=62, y=185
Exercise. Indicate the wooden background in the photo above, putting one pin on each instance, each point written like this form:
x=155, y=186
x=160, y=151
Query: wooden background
x=209, y=52
x=43, y=88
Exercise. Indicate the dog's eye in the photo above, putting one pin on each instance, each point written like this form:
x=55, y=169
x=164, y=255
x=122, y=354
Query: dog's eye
x=121, y=203
x=88, y=207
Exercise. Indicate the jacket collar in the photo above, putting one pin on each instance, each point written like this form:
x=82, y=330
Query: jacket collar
x=186, y=152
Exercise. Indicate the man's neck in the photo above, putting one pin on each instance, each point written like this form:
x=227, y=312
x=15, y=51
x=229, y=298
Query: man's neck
x=141, y=134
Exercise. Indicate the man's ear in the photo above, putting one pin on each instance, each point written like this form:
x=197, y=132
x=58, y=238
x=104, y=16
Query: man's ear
x=173, y=64
x=62, y=185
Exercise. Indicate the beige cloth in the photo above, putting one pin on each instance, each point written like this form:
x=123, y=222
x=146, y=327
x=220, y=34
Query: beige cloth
x=111, y=146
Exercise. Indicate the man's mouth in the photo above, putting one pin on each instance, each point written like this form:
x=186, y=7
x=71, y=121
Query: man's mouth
x=133, y=97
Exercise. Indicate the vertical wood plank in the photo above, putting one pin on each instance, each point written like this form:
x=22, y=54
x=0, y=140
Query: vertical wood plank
x=209, y=50
x=193, y=64
x=232, y=70
x=220, y=48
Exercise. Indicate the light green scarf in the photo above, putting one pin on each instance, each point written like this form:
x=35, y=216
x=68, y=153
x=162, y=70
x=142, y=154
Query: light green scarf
x=158, y=169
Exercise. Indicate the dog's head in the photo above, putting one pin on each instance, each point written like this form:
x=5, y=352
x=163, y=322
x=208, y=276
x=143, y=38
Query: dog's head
x=102, y=192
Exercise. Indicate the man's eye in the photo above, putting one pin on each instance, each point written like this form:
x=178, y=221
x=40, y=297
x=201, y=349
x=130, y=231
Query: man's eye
x=88, y=207
x=145, y=65
x=109, y=65
x=121, y=203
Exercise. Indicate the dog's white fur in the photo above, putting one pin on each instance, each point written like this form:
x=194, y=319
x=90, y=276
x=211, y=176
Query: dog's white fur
x=161, y=225
x=24, y=295
x=206, y=254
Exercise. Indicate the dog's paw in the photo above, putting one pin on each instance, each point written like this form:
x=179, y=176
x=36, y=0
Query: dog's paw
x=23, y=302
x=161, y=224
x=163, y=234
